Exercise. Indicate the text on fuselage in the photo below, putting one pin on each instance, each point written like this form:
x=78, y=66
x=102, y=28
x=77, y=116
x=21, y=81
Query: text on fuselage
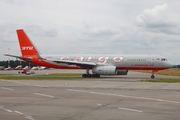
x=100, y=60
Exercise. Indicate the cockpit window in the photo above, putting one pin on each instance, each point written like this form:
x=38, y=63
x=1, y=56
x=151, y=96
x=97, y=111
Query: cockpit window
x=163, y=59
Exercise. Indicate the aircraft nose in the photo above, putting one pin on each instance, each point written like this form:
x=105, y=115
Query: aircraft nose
x=169, y=64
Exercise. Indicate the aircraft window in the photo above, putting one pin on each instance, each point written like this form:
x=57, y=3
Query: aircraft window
x=163, y=59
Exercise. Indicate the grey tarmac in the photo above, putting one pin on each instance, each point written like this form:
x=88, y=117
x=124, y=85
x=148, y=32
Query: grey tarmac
x=109, y=98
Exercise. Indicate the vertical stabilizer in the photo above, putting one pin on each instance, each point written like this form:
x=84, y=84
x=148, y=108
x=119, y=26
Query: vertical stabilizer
x=26, y=46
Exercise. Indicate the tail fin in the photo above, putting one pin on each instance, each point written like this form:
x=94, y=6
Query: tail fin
x=26, y=46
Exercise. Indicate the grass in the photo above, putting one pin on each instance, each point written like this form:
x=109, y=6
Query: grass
x=63, y=74
x=56, y=76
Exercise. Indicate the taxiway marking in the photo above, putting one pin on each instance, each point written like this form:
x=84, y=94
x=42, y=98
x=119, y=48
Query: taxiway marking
x=6, y=88
x=8, y=110
x=119, y=95
x=39, y=85
x=24, y=83
x=128, y=109
x=44, y=95
x=18, y=112
x=99, y=104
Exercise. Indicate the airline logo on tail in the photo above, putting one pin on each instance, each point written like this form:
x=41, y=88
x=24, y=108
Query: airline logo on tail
x=27, y=48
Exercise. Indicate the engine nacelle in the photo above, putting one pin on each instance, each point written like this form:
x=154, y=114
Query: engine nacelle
x=104, y=70
x=122, y=72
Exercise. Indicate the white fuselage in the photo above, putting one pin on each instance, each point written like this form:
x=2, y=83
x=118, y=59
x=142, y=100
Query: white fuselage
x=123, y=61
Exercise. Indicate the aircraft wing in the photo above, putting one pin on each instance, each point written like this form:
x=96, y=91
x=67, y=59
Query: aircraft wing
x=81, y=64
x=75, y=63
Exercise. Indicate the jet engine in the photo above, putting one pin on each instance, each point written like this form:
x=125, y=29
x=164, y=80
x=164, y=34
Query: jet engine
x=122, y=72
x=104, y=70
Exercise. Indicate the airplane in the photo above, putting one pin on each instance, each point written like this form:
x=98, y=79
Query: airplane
x=34, y=68
x=19, y=67
x=8, y=68
x=100, y=64
x=39, y=68
x=26, y=68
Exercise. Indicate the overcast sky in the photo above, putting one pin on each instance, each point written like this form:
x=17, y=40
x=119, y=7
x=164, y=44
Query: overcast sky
x=93, y=26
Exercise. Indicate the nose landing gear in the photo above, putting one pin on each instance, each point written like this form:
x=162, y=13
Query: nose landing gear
x=153, y=76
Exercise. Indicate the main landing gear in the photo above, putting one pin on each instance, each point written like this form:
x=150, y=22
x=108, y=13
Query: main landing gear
x=87, y=75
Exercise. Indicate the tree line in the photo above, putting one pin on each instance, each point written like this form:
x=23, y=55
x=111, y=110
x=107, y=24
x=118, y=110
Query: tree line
x=15, y=63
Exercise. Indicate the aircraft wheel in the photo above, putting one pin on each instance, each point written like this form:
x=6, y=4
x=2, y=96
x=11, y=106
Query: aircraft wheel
x=84, y=75
x=89, y=75
x=97, y=75
x=93, y=75
x=152, y=76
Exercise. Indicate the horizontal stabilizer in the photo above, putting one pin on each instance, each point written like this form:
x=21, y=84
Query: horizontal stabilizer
x=20, y=57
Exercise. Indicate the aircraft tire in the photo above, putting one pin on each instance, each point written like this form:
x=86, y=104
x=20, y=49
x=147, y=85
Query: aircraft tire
x=152, y=76
x=84, y=75
x=89, y=75
x=97, y=75
x=93, y=75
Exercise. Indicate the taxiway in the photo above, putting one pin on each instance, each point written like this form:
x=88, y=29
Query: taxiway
x=110, y=98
